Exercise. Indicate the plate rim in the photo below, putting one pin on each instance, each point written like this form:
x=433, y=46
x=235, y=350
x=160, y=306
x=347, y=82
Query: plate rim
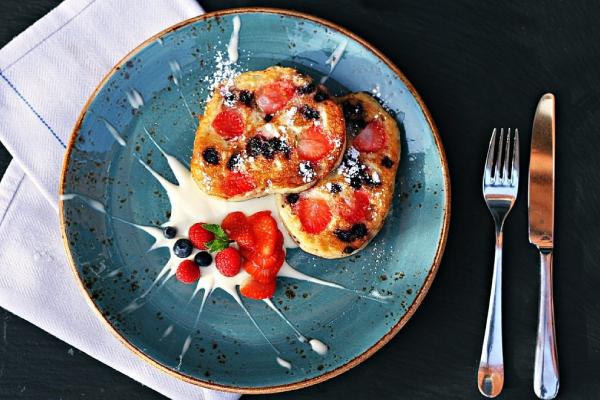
x=385, y=338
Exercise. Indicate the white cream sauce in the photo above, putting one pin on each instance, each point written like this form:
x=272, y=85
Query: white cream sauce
x=232, y=47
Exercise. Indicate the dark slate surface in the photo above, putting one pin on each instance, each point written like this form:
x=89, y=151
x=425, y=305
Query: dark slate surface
x=478, y=65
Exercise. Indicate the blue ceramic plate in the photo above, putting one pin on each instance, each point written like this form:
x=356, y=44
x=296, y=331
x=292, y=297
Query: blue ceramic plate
x=110, y=257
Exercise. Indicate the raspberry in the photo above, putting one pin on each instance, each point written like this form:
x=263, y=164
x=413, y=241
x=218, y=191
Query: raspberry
x=228, y=261
x=188, y=272
x=200, y=236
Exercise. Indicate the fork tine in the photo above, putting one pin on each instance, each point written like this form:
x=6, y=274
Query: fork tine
x=489, y=161
x=506, y=158
x=514, y=175
x=498, y=164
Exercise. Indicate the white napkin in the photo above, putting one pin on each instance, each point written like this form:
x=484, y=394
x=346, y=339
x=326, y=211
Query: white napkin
x=46, y=75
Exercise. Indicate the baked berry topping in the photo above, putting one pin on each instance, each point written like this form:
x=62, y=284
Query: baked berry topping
x=306, y=171
x=349, y=249
x=245, y=97
x=203, y=258
x=344, y=235
x=309, y=112
x=234, y=161
x=353, y=111
x=387, y=162
x=359, y=230
x=274, y=96
x=314, y=214
x=335, y=188
x=187, y=272
x=169, y=232
x=292, y=198
x=307, y=88
x=371, y=138
x=211, y=156
x=321, y=96
x=268, y=118
x=254, y=145
x=183, y=248
x=356, y=182
x=314, y=144
x=229, y=123
x=229, y=98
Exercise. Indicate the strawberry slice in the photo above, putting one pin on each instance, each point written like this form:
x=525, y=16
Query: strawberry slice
x=229, y=123
x=263, y=269
x=314, y=214
x=371, y=138
x=233, y=220
x=274, y=96
x=357, y=208
x=253, y=289
x=237, y=183
x=265, y=229
x=314, y=144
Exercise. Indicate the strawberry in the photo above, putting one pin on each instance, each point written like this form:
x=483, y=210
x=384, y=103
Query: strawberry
x=253, y=289
x=357, y=208
x=263, y=269
x=229, y=123
x=268, y=236
x=200, y=236
x=313, y=144
x=314, y=214
x=237, y=183
x=187, y=272
x=274, y=96
x=228, y=262
x=371, y=138
x=233, y=220
x=243, y=235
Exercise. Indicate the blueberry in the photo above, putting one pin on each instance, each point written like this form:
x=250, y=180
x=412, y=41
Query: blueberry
x=234, y=161
x=309, y=112
x=203, y=258
x=211, y=156
x=292, y=198
x=182, y=248
x=359, y=230
x=268, y=118
x=353, y=111
x=349, y=249
x=246, y=97
x=356, y=182
x=335, y=188
x=387, y=162
x=254, y=146
x=321, y=96
x=169, y=232
x=270, y=147
x=307, y=88
x=229, y=97
x=344, y=235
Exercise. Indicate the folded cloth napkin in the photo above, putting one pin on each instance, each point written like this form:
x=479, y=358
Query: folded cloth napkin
x=46, y=76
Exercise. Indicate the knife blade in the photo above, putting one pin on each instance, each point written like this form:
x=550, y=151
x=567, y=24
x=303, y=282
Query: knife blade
x=541, y=175
x=541, y=234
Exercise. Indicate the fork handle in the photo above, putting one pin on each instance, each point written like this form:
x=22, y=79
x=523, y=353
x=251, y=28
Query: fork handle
x=545, y=375
x=490, y=376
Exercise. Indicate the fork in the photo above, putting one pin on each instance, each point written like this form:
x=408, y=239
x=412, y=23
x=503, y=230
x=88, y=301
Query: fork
x=500, y=187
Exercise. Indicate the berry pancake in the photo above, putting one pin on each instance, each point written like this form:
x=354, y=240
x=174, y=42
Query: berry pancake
x=271, y=131
x=344, y=211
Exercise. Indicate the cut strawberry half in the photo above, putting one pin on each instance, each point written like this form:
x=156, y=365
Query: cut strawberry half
x=253, y=289
x=237, y=227
x=356, y=209
x=264, y=269
x=229, y=123
x=233, y=220
x=274, y=96
x=314, y=144
x=371, y=138
x=267, y=234
x=237, y=183
x=314, y=214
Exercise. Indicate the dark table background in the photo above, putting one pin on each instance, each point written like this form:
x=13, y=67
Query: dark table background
x=478, y=65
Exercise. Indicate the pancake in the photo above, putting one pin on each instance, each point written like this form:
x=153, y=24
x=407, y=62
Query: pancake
x=344, y=211
x=270, y=131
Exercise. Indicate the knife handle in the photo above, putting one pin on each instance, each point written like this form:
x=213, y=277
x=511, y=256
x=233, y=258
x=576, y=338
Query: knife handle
x=545, y=375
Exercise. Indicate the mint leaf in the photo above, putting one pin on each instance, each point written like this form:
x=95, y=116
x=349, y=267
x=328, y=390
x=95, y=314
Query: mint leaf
x=217, y=245
x=217, y=230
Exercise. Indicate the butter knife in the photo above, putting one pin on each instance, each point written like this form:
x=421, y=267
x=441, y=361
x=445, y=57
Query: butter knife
x=541, y=234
